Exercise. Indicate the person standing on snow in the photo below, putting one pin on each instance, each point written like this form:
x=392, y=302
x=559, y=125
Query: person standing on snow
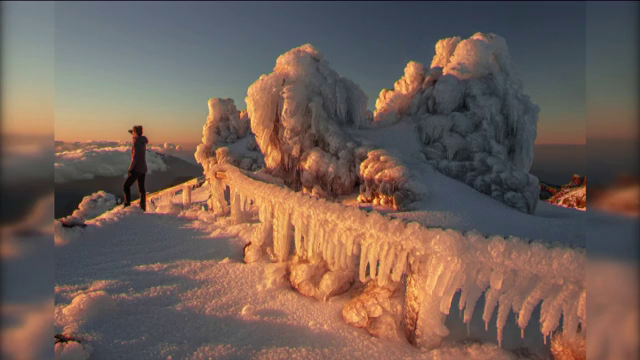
x=138, y=167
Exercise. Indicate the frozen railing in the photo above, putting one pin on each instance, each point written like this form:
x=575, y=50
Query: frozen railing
x=185, y=188
x=514, y=274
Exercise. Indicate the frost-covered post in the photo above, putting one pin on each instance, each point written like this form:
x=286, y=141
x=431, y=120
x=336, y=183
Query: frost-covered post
x=423, y=319
x=283, y=234
x=218, y=203
x=237, y=208
x=263, y=235
x=186, y=195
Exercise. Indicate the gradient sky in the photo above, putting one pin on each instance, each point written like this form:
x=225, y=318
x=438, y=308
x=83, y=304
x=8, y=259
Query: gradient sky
x=157, y=63
x=27, y=68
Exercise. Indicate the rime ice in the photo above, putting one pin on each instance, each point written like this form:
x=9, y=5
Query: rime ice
x=474, y=120
x=297, y=113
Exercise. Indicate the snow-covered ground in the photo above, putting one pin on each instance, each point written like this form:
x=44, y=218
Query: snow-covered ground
x=138, y=285
x=173, y=284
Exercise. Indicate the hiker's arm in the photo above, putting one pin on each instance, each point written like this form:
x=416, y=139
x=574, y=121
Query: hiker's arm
x=134, y=160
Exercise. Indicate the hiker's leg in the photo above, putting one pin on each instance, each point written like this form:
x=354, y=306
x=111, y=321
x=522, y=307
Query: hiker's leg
x=126, y=188
x=142, y=191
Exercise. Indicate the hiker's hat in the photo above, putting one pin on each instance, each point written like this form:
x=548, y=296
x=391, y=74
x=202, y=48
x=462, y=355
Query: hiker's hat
x=135, y=129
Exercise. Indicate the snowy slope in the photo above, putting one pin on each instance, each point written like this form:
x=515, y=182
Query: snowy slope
x=453, y=204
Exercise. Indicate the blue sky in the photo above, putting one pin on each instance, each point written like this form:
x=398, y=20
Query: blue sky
x=157, y=63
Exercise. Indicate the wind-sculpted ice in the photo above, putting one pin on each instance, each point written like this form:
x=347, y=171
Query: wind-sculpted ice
x=472, y=116
x=386, y=181
x=514, y=274
x=225, y=124
x=297, y=113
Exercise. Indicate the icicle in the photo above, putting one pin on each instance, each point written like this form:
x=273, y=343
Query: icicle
x=342, y=255
x=310, y=244
x=491, y=299
x=276, y=225
x=384, y=247
x=363, y=261
x=449, y=293
x=242, y=200
x=391, y=257
x=504, y=308
x=307, y=235
x=570, y=318
x=453, y=271
x=522, y=291
x=531, y=301
x=282, y=244
x=357, y=246
x=434, y=268
x=320, y=242
x=399, y=266
x=470, y=277
x=554, y=310
x=262, y=212
x=496, y=279
x=373, y=253
x=546, y=304
x=322, y=246
x=582, y=308
x=337, y=255
x=236, y=216
x=298, y=234
x=330, y=247
x=349, y=243
x=474, y=293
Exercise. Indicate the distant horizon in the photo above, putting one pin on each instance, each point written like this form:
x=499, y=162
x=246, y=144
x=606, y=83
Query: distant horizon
x=194, y=144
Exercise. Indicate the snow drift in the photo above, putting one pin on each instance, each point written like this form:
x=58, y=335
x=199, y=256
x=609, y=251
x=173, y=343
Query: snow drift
x=297, y=113
x=476, y=124
x=95, y=204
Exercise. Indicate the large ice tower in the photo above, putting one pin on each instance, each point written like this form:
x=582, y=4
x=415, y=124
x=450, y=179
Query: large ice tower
x=474, y=120
x=297, y=113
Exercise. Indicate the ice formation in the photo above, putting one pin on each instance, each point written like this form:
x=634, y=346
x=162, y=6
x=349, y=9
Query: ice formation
x=476, y=124
x=90, y=207
x=297, y=113
x=225, y=124
x=386, y=181
x=94, y=205
x=515, y=274
x=391, y=105
x=378, y=309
